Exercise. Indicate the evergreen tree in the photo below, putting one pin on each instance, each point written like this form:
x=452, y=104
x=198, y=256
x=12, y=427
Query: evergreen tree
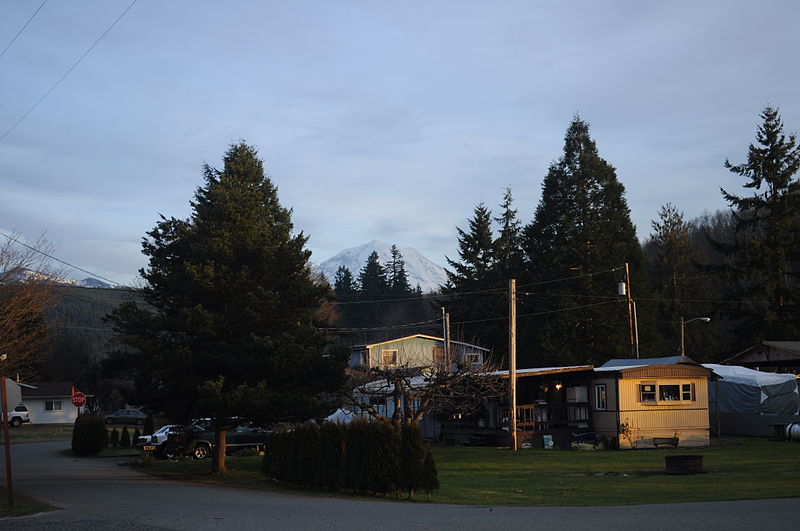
x=507, y=255
x=344, y=285
x=765, y=254
x=676, y=278
x=581, y=226
x=396, y=276
x=228, y=329
x=472, y=270
x=473, y=308
x=372, y=278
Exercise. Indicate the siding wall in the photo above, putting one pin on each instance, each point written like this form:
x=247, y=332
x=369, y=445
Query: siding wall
x=686, y=420
x=412, y=352
x=38, y=415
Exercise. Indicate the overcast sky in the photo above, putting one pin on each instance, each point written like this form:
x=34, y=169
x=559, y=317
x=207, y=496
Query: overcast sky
x=376, y=119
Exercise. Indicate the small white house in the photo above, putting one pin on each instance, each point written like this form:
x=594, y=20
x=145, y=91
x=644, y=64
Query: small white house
x=49, y=402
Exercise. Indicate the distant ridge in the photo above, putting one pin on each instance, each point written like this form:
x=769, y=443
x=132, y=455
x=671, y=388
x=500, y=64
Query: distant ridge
x=24, y=275
x=421, y=271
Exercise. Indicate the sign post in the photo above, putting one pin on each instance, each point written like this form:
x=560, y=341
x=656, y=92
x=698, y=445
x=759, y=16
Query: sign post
x=4, y=400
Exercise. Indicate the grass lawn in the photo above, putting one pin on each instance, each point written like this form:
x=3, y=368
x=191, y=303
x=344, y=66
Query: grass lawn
x=748, y=468
x=40, y=433
x=23, y=505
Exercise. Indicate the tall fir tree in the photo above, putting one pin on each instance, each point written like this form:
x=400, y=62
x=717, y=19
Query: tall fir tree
x=372, y=278
x=396, y=276
x=765, y=254
x=344, y=285
x=229, y=327
x=473, y=307
x=507, y=254
x=581, y=226
x=677, y=281
x=472, y=270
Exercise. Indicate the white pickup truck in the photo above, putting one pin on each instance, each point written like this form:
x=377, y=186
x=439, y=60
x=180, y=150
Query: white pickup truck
x=18, y=416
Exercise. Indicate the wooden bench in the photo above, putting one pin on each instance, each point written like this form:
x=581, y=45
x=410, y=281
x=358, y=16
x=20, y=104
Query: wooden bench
x=658, y=442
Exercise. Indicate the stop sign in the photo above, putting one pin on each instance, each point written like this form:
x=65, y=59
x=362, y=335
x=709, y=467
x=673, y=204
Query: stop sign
x=78, y=399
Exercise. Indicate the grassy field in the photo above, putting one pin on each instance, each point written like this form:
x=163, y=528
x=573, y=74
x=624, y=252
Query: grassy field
x=40, y=433
x=742, y=469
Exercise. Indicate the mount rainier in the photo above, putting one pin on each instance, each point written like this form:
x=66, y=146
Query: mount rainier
x=421, y=271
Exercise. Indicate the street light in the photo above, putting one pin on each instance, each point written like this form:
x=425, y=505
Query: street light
x=684, y=323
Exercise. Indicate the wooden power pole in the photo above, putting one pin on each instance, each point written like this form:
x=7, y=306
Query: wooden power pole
x=512, y=362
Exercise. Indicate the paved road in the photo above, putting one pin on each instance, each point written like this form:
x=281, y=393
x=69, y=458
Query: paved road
x=101, y=494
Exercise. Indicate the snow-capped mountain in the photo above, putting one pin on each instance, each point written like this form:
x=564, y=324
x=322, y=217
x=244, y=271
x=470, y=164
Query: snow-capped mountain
x=25, y=275
x=419, y=269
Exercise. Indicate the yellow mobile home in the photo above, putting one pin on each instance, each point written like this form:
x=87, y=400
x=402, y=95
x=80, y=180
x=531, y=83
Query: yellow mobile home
x=652, y=402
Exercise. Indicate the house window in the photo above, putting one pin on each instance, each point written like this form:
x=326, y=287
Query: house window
x=600, y=397
x=647, y=392
x=364, y=358
x=52, y=405
x=687, y=392
x=473, y=360
x=669, y=393
x=389, y=358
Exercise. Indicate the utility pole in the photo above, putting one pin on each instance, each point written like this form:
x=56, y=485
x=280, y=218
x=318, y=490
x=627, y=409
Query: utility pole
x=447, y=347
x=512, y=361
x=7, y=441
x=630, y=307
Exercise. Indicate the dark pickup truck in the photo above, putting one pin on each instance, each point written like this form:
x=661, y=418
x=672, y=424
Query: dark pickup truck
x=198, y=440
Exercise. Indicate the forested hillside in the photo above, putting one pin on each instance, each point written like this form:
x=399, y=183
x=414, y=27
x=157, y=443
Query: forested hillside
x=80, y=336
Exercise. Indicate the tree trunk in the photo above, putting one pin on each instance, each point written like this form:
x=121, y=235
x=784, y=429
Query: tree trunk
x=218, y=465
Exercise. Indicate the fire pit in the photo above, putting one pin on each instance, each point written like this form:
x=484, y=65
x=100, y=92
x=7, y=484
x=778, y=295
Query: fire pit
x=684, y=464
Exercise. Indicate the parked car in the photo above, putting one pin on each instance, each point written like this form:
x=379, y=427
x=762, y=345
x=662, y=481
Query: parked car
x=197, y=440
x=18, y=416
x=158, y=437
x=126, y=416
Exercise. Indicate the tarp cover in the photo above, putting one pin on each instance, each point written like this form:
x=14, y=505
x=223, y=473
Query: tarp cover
x=743, y=390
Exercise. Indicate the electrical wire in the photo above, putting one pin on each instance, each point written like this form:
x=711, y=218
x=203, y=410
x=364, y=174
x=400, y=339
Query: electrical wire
x=426, y=296
x=396, y=327
x=69, y=70
x=21, y=29
x=51, y=257
x=591, y=274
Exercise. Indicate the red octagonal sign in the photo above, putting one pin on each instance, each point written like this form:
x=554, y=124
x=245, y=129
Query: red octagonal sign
x=78, y=399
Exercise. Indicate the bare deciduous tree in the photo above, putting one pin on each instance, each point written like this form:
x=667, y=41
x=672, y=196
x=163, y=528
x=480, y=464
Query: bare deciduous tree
x=416, y=391
x=27, y=292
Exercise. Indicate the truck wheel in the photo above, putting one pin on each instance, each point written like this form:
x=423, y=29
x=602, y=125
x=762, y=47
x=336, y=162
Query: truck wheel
x=201, y=451
x=16, y=422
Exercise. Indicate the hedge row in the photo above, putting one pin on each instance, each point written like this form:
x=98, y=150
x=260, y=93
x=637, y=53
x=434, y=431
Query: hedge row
x=363, y=457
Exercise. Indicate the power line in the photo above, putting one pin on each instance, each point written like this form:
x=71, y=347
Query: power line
x=426, y=296
x=21, y=29
x=40, y=100
x=590, y=274
x=396, y=327
x=51, y=257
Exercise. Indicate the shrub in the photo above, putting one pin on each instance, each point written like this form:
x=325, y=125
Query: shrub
x=125, y=438
x=136, y=436
x=430, y=479
x=89, y=435
x=412, y=459
x=114, y=438
x=383, y=463
x=331, y=455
